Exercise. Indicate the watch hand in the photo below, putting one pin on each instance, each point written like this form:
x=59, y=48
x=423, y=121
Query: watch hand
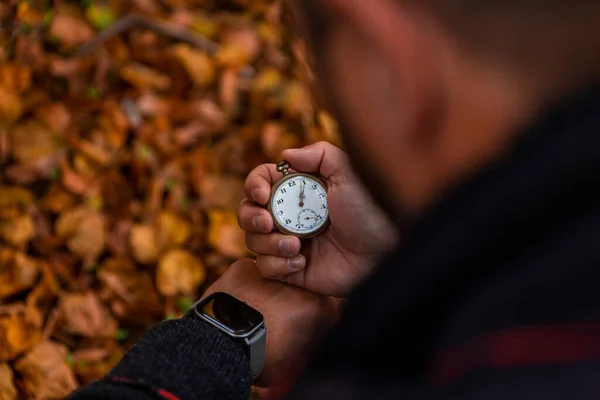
x=302, y=194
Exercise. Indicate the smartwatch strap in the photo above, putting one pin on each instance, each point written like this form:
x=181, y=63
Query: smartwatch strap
x=258, y=350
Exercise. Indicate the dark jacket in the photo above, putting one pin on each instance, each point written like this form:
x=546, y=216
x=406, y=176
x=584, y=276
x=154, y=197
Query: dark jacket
x=494, y=294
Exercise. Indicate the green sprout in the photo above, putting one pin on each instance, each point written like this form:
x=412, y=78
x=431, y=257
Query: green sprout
x=184, y=304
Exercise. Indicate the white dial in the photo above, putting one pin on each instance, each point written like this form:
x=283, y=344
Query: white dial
x=300, y=205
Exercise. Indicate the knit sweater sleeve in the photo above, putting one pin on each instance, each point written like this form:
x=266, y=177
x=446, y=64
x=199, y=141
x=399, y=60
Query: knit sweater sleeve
x=178, y=359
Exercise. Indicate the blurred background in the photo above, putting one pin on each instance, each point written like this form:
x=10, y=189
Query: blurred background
x=127, y=128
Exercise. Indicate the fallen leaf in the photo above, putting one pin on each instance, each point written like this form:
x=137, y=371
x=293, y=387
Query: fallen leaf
x=8, y=391
x=197, y=64
x=222, y=191
x=144, y=77
x=17, y=335
x=13, y=200
x=57, y=200
x=240, y=47
x=179, y=272
x=17, y=231
x=83, y=314
x=15, y=77
x=171, y=230
x=94, y=363
x=228, y=88
x=225, y=235
x=33, y=141
x=101, y=16
x=45, y=372
x=83, y=229
x=17, y=272
x=55, y=116
x=70, y=31
x=11, y=106
x=142, y=240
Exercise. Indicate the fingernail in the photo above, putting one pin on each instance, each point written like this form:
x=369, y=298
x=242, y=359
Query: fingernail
x=287, y=246
x=260, y=223
x=255, y=193
x=297, y=262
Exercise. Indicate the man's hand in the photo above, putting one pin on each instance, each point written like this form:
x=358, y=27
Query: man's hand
x=294, y=317
x=336, y=260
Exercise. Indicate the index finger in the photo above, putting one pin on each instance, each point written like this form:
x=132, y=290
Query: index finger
x=259, y=182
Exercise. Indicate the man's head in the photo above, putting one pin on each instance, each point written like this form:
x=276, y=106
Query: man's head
x=428, y=90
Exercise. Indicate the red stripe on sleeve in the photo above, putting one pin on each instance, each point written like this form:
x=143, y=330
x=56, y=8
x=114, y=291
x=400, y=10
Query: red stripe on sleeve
x=526, y=346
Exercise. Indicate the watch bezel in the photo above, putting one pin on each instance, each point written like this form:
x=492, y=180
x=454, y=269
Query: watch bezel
x=196, y=307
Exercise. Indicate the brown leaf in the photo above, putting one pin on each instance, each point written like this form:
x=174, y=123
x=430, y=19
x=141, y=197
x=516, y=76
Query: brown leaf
x=16, y=336
x=92, y=364
x=225, y=235
x=17, y=231
x=55, y=116
x=171, y=230
x=33, y=141
x=240, y=47
x=8, y=391
x=144, y=77
x=57, y=200
x=228, y=88
x=13, y=200
x=179, y=272
x=15, y=77
x=83, y=314
x=197, y=64
x=11, y=106
x=70, y=31
x=275, y=139
x=17, y=272
x=222, y=191
x=134, y=288
x=83, y=229
x=45, y=372
x=143, y=243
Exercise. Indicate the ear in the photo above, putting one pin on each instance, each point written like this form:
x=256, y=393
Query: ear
x=404, y=48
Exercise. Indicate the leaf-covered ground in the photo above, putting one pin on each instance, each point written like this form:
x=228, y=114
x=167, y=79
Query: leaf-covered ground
x=127, y=128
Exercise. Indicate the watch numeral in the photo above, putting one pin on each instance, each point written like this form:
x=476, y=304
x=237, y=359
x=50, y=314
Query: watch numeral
x=284, y=190
x=280, y=201
x=322, y=195
x=288, y=221
x=314, y=187
x=324, y=207
x=280, y=212
x=292, y=183
x=298, y=226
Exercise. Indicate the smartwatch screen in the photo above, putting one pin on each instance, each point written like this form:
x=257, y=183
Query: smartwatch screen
x=231, y=313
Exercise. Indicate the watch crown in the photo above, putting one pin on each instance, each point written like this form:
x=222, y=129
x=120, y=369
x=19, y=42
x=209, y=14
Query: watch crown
x=283, y=167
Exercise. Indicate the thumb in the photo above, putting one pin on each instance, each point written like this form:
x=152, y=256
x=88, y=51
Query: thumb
x=323, y=158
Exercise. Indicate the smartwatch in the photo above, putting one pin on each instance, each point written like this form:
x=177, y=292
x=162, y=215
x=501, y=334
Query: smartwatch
x=237, y=320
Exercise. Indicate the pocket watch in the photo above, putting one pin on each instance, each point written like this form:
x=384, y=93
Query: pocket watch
x=298, y=203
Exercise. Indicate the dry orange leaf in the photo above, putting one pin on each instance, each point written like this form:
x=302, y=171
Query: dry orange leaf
x=11, y=106
x=17, y=231
x=144, y=77
x=17, y=335
x=240, y=46
x=83, y=229
x=8, y=391
x=13, y=200
x=143, y=243
x=225, y=235
x=70, y=31
x=199, y=65
x=92, y=364
x=83, y=314
x=171, y=230
x=179, y=272
x=45, y=372
x=17, y=272
x=32, y=141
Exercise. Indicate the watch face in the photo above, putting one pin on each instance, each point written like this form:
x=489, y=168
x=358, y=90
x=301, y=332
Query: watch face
x=230, y=313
